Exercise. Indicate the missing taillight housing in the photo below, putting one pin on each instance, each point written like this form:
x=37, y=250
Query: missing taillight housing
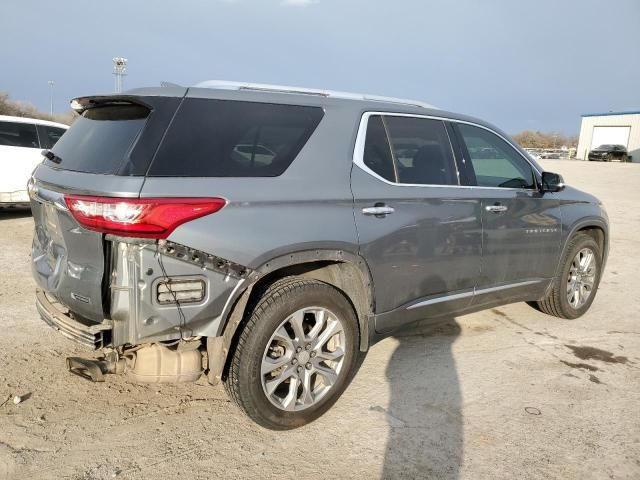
x=139, y=217
x=175, y=289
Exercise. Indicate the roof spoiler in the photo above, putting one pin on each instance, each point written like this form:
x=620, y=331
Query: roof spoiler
x=134, y=96
x=80, y=104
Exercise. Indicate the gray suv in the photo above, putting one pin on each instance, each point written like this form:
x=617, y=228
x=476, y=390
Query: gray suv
x=269, y=236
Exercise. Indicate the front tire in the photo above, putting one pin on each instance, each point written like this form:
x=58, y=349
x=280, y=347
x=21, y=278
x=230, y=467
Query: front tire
x=295, y=354
x=573, y=292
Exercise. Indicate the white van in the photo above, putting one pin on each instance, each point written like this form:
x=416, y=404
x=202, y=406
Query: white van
x=21, y=141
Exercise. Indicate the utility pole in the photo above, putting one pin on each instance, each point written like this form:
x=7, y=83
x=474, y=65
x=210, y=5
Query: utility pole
x=119, y=70
x=51, y=84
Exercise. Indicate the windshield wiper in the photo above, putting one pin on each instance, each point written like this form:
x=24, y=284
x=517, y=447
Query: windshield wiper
x=49, y=155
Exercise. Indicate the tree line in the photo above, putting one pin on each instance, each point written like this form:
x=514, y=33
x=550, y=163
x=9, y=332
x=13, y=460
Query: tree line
x=23, y=109
x=530, y=139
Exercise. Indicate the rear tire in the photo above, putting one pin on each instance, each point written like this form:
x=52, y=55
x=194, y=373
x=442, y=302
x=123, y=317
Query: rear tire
x=573, y=292
x=308, y=331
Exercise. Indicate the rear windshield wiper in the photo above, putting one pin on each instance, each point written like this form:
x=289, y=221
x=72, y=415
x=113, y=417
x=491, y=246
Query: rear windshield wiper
x=49, y=155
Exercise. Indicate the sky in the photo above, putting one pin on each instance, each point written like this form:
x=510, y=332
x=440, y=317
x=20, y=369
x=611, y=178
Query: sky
x=520, y=64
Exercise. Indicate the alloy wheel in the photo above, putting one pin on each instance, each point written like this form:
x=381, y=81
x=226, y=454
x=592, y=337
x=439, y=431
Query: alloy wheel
x=303, y=359
x=581, y=278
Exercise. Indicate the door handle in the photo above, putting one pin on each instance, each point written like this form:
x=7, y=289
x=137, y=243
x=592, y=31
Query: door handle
x=379, y=210
x=496, y=208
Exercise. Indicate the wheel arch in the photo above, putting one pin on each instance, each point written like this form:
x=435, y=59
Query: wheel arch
x=595, y=228
x=347, y=272
x=551, y=303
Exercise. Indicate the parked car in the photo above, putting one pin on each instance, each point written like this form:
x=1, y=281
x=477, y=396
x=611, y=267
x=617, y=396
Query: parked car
x=609, y=153
x=534, y=152
x=550, y=155
x=21, y=140
x=160, y=244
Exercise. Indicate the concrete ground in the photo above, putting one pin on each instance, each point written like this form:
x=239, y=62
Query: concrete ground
x=506, y=393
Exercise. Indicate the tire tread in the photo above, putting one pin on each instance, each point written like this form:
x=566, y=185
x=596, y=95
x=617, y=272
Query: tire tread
x=265, y=300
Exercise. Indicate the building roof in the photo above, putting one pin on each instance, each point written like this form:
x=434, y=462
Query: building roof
x=609, y=114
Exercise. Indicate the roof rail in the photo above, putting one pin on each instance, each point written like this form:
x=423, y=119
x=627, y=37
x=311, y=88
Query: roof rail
x=264, y=87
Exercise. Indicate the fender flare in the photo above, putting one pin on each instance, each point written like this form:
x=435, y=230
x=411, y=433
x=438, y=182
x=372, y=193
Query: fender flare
x=588, y=222
x=219, y=346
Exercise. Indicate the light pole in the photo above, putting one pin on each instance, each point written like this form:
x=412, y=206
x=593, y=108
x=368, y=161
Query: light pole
x=51, y=84
x=119, y=70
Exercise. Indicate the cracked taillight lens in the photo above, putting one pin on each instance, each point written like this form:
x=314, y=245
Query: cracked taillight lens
x=139, y=217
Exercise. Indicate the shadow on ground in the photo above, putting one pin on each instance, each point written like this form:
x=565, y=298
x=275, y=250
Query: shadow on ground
x=425, y=418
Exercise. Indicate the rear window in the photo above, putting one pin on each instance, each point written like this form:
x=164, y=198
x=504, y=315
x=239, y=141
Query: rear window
x=223, y=138
x=101, y=139
x=18, y=134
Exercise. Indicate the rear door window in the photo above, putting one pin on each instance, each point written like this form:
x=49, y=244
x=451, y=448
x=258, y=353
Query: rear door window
x=377, y=153
x=409, y=150
x=223, y=138
x=421, y=150
x=49, y=136
x=101, y=139
x=18, y=134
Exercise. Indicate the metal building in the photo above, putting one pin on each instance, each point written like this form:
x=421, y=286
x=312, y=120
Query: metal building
x=619, y=128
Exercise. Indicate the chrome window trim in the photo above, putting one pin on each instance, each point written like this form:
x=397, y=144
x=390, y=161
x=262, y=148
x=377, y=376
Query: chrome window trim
x=358, y=151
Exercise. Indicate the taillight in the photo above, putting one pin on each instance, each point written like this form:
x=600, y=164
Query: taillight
x=139, y=217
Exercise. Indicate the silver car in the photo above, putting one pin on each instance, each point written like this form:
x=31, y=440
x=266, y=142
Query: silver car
x=267, y=236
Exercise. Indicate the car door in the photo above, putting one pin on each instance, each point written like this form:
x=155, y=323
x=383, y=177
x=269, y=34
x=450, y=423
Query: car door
x=419, y=232
x=521, y=226
x=19, y=154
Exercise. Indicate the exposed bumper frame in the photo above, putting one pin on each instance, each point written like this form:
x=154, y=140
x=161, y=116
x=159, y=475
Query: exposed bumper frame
x=94, y=336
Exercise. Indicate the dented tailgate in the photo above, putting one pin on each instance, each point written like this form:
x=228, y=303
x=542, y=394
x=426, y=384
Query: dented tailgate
x=104, y=153
x=68, y=261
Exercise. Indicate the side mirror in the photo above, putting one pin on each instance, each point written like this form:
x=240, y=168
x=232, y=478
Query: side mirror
x=551, y=182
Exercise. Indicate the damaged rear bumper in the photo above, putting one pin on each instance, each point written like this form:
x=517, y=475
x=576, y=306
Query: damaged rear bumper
x=95, y=336
x=150, y=296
